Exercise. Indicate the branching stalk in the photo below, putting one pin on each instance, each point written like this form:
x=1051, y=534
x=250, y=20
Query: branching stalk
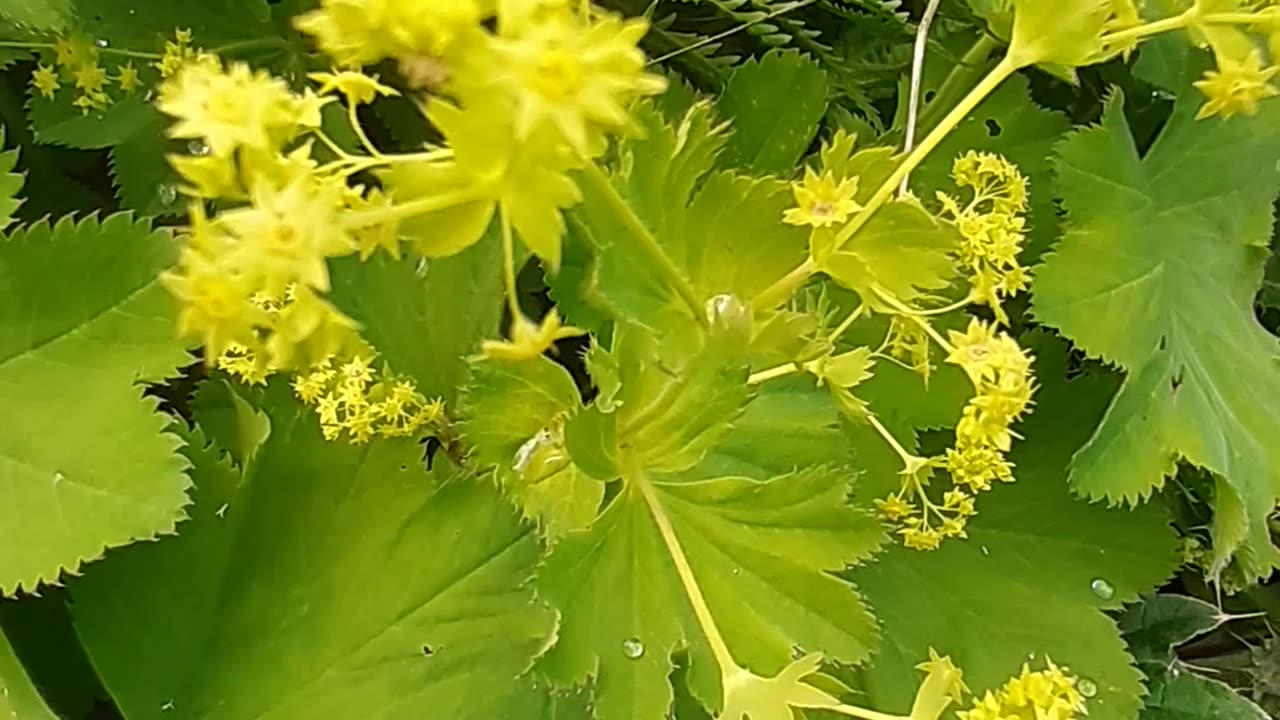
x=917, y=73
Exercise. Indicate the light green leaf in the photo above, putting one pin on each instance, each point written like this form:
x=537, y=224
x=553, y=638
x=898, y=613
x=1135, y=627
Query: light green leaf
x=1187, y=696
x=232, y=421
x=624, y=612
x=1157, y=273
x=508, y=403
x=602, y=366
x=591, y=438
x=1024, y=586
x=90, y=465
x=565, y=501
x=1162, y=622
x=304, y=591
x=791, y=424
x=680, y=403
x=425, y=317
x=770, y=136
x=10, y=184
x=757, y=698
x=19, y=698
x=38, y=15
x=212, y=22
x=902, y=249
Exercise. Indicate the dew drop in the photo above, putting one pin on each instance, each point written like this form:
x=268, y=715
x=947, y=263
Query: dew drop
x=197, y=147
x=421, y=267
x=167, y=194
x=1087, y=687
x=1102, y=589
x=148, y=96
x=633, y=648
x=100, y=42
x=58, y=477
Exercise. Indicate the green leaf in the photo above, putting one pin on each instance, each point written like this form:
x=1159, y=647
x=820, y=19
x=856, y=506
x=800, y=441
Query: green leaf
x=144, y=180
x=508, y=403
x=565, y=501
x=591, y=437
x=56, y=120
x=1162, y=622
x=38, y=15
x=10, y=184
x=19, y=699
x=90, y=465
x=624, y=612
x=902, y=249
x=1187, y=696
x=232, y=421
x=40, y=631
x=124, y=24
x=1061, y=35
x=1157, y=273
x=269, y=604
x=425, y=317
x=771, y=135
x=1022, y=586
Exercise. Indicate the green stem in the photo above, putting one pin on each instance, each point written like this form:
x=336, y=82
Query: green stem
x=779, y=291
x=509, y=268
x=782, y=370
x=989, y=83
x=358, y=129
x=889, y=438
x=915, y=317
x=848, y=323
x=421, y=206
x=959, y=79
x=636, y=480
x=97, y=49
x=645, y=241
x=1177, y=22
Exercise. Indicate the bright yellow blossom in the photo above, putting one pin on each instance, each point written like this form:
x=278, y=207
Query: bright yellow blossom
x=127, y=77
x=362, y=32
x=234, y=107
x=91, y=101
x=45, y=80
x=1049, y=694
x=90, y=78
x=942, y=686
x=821, y=200
x=216, y=309
x=574, y=75
x=1235, y=88
x=530, y=340
x=357, y=87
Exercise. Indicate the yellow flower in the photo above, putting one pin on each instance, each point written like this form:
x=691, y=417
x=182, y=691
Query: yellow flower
x=381, y=236
x=90, y=78
x=234, y=108
x=973, y=349
x=311, y=327
x=894, y=507
x=362, y=32
x=91, y=101
x=286, y=235
x=922, y=538
x=216, y=309
x=943, y=685
x=356, y=86
x=575, y=76
x=45, y=79
x=822, y=201
x=1236, y=87
x=530, y=340
x=244, y=364
x=127, y=77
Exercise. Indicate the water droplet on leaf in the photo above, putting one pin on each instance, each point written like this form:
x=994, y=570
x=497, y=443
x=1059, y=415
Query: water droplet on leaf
x=167, y=194
x=633, y=648
x=421, y=267
x=100, y=42
x=197, y=147
x=1102, y=589
x=58, y=477
x=1087, y=687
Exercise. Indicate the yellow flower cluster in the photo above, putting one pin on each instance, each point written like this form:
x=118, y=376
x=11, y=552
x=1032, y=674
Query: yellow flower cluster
x=77, y=62
x=1049, y=694
x=284, y=217
x=992, y=225
x=1001, y=374
x=354, y=399
x=1243, y=77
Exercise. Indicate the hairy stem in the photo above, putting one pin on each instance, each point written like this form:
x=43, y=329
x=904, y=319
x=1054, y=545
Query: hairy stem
x=412, y=208
x=782, y=370
x=785, y=286
x=98, y=49
x=354, y=119
x=917, y=72
x=893, y=441
x=645, y=241
x=509, y=267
